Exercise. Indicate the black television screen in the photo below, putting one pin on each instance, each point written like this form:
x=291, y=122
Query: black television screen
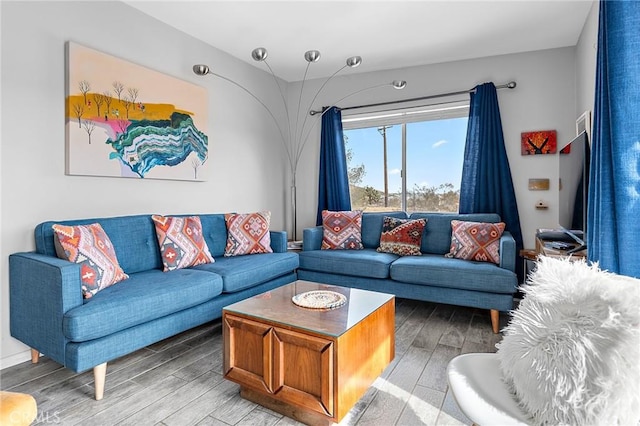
x=574, y=184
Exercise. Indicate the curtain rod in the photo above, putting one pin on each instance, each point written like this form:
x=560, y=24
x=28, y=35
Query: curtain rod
x=509, y=85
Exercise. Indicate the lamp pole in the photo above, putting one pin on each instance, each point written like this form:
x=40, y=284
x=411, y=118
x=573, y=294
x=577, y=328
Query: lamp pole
x=383, y=132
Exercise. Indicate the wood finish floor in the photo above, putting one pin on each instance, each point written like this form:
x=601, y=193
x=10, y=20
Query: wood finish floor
x=178, y=381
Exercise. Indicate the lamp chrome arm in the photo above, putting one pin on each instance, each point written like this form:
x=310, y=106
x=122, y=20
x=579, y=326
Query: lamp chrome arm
x=202, y=70
x=397, y=84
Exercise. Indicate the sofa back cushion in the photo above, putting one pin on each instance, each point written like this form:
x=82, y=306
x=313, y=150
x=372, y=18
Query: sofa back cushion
x=215, y=233
x=372, y=227
x=134, y=238
x=437, y=234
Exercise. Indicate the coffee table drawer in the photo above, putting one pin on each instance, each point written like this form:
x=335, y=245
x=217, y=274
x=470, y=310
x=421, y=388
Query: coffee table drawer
x=295, y=367
x=303, y=370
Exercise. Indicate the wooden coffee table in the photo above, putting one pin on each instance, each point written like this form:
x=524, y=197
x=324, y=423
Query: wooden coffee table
x=309, y=364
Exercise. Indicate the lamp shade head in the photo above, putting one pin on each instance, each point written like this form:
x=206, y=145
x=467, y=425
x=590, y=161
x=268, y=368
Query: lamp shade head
x=354, y=61
x=312, y=56
x=259, y=54
x=201, y=69
x=399, y=84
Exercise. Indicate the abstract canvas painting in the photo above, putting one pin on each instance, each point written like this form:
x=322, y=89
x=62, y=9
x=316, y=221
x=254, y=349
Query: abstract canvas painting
x=540, y=142
x=126, y=120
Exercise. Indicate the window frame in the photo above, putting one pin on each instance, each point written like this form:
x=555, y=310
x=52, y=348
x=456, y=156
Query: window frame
x=402, y=117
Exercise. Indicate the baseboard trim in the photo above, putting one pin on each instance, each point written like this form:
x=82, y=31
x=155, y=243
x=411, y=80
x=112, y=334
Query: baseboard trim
x=12, y=360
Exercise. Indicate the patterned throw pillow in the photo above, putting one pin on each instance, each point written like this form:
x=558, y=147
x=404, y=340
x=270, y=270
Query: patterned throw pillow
x=181, y=242
x=89, y=246
x=342, y=230
x=248, y=233
x=477, y=241
x=402, y=236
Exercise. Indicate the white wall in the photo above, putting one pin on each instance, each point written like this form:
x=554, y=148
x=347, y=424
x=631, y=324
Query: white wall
x=544, y=99
x=586, y=55
x=247, y=171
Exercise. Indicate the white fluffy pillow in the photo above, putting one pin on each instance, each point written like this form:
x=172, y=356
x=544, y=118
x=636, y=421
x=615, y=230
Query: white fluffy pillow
x=571, y=352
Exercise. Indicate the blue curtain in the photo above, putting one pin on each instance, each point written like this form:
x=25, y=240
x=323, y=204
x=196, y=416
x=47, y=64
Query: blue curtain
x=333, y=186
x=486, y=185
x=613, y=225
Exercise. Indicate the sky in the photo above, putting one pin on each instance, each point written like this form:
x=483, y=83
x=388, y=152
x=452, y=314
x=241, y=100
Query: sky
x=435, y=151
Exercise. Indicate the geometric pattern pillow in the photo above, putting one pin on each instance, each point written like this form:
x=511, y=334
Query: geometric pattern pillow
x=401, y=236
x=248, y=233
x=181, y=242
x=89, y=246
x=477, y=241
x=342, y=230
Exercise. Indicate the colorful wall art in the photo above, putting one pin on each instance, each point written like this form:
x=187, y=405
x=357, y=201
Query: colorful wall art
x=126, y=120
x=540, y=142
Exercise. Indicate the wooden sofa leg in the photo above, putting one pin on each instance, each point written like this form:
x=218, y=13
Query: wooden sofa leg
x=495, y=320
x=99, y=374
x=35, y=356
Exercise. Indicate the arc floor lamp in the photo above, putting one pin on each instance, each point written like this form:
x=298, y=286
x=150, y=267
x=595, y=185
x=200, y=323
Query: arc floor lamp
x=295, y=138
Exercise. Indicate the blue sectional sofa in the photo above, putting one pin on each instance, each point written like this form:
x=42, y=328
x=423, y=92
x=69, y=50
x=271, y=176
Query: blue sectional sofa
x=49, y=314
x=430, y=277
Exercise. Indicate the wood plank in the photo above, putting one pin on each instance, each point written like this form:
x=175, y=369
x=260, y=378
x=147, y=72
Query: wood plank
x=234, y=409
x=434, y=374
x=80, y=412
x=472, y=347
x=212, y=362
x=480, y=329
x=404, y=308
x=422, y=408
x=258, y=417
x=168, y=405
x=190, y=355
x=406, y=334
x=136, y=401
x=459, y=323
x=394, y=392
x=150, y=362
x=45, y=381
x=26, y=371
x=208, y=404
x=435, y=326
x=211, y=421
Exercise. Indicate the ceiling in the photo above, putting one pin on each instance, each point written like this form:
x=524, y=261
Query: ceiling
x=387, y=34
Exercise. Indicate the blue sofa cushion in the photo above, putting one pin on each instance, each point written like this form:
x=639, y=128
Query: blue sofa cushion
x=143, y=297
x=437, y=234
x=133, y=238
x=362, y=263
x=240, y=272
x=437, y=270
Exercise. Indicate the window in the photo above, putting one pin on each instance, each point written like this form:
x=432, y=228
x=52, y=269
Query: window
x=409, y=159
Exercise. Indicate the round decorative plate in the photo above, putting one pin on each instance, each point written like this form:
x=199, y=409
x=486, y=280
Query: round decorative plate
x=319, y=299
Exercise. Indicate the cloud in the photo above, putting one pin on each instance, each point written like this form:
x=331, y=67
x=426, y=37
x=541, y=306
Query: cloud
x=439, y=143
x=395, y=171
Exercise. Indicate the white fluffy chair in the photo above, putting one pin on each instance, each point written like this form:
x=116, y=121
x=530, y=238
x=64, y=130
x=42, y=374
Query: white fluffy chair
x=570, y=354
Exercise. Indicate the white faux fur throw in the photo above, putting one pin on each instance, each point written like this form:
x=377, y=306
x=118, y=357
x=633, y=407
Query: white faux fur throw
x=571, y=352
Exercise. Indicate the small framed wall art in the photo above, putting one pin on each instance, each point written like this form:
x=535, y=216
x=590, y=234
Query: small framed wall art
x=539, y=142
